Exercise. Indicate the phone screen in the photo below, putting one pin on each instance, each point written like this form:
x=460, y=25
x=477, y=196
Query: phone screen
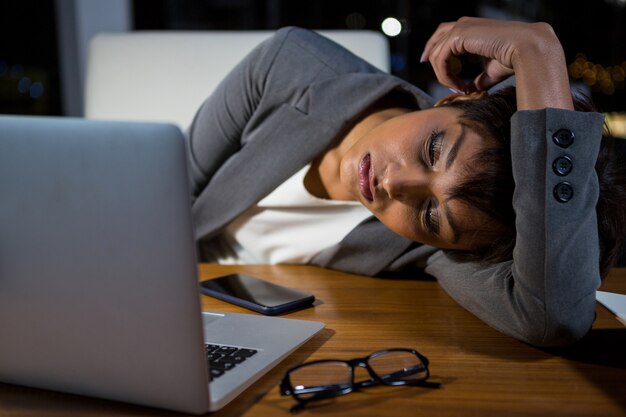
x=256, y=294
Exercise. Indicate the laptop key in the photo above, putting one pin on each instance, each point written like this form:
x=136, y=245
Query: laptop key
x=211, y=348
x=232, y=359
x=246, y=352
x=235, y=358
x=225, y=366
x=226, y=350
x=215, y=373
x=214, y=356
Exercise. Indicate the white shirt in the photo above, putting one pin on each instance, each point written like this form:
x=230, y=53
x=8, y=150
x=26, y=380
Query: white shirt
x=290, y=225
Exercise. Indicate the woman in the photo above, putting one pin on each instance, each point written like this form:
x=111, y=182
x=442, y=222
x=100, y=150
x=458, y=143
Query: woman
x=303, y=142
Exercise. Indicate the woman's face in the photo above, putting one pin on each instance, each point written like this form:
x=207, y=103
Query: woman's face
x=403, y=170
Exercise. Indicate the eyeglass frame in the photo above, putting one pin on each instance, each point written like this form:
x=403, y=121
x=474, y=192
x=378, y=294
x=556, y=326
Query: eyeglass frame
x=286, y=387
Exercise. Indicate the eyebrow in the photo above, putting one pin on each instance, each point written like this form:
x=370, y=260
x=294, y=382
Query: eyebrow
x=454, y=150
x=456, y=233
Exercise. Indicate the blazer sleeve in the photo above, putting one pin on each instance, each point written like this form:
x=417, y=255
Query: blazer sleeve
x=546, y=295
x=218, y=126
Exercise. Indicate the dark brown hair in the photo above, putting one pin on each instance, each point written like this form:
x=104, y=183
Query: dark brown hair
x=490, y=188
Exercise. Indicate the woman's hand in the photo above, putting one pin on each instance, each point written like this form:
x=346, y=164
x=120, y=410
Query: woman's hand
x=531, y=51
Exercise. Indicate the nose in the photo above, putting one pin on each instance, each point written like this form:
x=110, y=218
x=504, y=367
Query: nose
x=406, y=183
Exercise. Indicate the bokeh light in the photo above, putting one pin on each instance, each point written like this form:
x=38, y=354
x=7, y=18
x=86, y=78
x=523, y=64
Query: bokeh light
x=601, y=79
x=391, y=26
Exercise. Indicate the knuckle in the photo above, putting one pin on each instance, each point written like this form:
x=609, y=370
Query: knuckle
x=544, y=27
x=465, y=21
x=456, y=42
x=544, y=31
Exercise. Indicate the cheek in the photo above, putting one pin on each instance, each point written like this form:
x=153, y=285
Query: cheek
x=404, y=221
x=400, y=146
x=393, y=140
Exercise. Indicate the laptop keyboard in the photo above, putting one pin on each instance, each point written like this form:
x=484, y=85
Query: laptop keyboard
x=224, y=358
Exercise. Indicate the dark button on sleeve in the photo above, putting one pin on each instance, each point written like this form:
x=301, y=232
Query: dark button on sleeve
x=563, y=138
x=563, y=192
x=562, y=166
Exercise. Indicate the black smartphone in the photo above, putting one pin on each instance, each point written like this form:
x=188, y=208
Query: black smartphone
x=256, y=294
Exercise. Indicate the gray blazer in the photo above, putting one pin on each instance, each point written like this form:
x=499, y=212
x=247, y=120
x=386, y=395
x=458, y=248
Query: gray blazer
x=290, y=98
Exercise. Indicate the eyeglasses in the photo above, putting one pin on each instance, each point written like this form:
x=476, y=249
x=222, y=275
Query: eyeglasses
x=325, y=379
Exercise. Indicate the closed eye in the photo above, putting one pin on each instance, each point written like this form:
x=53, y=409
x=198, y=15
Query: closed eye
x=431, y=218
x=434, y=144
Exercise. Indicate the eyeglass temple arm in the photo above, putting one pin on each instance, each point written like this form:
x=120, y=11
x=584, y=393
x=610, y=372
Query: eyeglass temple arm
x=285, y=386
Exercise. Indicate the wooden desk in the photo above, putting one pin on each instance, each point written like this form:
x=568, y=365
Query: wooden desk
x=483, y=372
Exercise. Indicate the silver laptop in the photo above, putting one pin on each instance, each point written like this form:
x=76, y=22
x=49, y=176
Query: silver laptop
x=98, y=276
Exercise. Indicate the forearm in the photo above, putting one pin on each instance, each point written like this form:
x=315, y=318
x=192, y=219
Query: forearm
x=556, y=256
x=540, y=70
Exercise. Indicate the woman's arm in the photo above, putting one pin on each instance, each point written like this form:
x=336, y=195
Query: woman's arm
x=219, y=125
x=546, y=295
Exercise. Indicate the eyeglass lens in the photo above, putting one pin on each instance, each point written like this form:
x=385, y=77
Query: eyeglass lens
x=395, y=366
x=331, y=378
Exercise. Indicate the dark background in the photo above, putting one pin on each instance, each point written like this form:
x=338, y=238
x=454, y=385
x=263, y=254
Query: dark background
x=593, y=28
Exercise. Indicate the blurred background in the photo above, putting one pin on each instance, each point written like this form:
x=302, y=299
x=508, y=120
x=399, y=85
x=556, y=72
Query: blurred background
x=44, y=42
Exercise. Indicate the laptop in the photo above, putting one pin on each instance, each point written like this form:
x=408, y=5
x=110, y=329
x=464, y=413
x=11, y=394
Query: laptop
x=615, y=303
x=98, y=276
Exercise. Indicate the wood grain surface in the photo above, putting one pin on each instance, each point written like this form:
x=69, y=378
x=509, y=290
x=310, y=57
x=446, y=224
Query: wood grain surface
x=483, y=372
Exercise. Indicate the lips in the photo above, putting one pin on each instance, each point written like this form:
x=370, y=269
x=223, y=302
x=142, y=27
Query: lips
x=364, y=178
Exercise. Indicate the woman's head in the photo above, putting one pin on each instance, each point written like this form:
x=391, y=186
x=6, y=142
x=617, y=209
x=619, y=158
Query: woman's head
x=443, y=177
x=413, y=171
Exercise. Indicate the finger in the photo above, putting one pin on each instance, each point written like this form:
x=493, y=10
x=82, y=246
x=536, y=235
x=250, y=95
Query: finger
x=435, y=38
x=493, y=74
x=441, y=58
x=481, y=82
